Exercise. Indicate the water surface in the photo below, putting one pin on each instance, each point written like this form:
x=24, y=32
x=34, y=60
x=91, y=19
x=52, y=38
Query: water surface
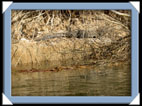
x=96, y=81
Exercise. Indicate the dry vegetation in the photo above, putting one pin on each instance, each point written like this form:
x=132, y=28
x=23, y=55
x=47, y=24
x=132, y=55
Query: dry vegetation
x=112, y=42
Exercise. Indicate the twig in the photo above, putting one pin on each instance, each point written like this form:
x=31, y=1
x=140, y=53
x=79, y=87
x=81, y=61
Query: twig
x=116, y=22
x=48, y=20
x=19, y=59
x=14, y=52
x=119, y=13
x=52, y=20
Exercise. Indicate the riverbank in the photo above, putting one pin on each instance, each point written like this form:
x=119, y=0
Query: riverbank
x=83, y=37
x=64, y=51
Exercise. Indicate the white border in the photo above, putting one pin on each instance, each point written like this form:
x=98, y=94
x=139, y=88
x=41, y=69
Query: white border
x=136, y=100
x=5, y=100
x=5, y=5
x=136, y=5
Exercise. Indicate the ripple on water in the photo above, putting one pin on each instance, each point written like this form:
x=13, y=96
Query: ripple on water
x=95, y=81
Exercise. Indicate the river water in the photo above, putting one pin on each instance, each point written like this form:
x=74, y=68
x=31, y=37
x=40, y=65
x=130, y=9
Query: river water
x=95, y=81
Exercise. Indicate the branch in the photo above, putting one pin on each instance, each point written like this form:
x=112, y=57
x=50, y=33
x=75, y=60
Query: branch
x=119, y=13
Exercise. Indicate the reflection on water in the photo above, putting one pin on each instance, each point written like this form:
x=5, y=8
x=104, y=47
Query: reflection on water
x=98, y=81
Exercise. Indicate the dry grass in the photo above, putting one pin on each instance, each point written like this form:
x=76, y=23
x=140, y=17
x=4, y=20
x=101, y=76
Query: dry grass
x=33, y=23
x=111, y=44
